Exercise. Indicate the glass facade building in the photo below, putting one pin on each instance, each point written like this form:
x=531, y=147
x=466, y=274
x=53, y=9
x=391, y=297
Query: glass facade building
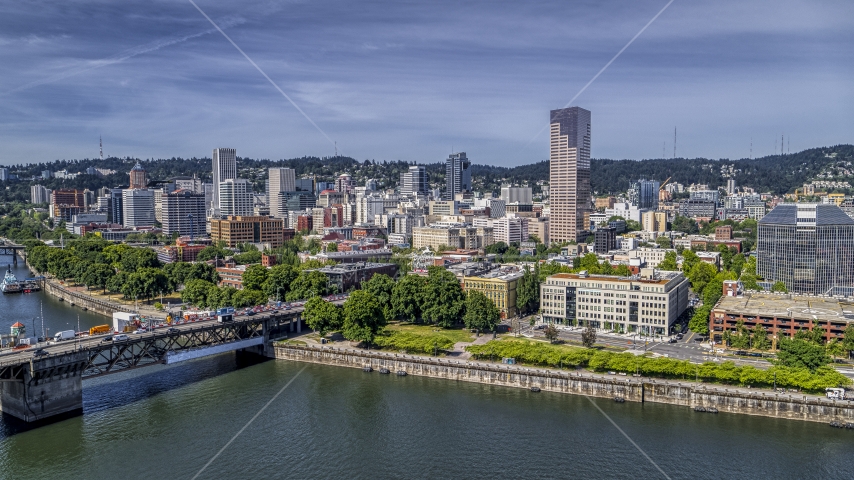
x=808, y=247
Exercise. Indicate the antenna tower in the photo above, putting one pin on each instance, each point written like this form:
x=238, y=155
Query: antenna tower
x=101, y=147
x=674, y=142
x=336, y=149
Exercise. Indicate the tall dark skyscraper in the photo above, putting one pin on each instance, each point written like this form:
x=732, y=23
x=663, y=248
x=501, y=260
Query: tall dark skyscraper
x=457, y=175
x=569, y=174
x=414, y=181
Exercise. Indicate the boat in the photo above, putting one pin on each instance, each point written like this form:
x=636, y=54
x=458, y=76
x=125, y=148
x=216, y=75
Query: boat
x=10, y=282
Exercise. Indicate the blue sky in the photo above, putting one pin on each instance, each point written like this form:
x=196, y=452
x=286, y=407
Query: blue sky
x=414, y=80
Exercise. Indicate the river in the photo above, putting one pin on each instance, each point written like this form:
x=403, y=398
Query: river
x=330, y=422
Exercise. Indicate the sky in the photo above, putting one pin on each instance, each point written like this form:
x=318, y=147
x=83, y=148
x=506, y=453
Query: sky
x=415, y=81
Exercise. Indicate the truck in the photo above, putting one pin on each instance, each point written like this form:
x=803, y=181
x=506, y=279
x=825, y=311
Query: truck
x=225, y=314
x=63, y=335
x=100, y=330
x=835, y=393
x=125, y=322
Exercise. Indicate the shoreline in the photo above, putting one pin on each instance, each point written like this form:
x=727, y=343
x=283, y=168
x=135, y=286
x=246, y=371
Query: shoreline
x=701, y=398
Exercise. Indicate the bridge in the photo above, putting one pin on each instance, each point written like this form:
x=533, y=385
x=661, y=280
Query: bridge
x=9, y=248
x=35, y=386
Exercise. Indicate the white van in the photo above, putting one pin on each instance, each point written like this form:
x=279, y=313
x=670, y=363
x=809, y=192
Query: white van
x=120, y=337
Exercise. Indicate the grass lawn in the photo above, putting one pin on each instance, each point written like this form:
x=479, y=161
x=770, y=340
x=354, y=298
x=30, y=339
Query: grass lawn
x=453, y=334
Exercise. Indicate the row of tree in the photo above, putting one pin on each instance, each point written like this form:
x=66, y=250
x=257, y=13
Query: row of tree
x=437, y=299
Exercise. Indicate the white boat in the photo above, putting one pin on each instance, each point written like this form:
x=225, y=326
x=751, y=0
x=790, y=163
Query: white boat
x=10, y=282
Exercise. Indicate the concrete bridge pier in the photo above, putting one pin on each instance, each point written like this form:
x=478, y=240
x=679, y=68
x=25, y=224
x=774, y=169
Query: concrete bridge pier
x=45, y=388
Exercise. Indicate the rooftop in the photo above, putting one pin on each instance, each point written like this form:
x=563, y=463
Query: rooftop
x=788, y=305
x=787, y=214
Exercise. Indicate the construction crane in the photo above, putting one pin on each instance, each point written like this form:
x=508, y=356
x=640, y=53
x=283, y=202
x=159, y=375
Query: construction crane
x=665, y=183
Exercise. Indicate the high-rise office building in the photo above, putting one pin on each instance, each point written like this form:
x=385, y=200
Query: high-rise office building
x=807, y=246
x=116, y=213
x=137, y=208
x=344, y=183
x=39, y=194
x=137, y=177
x=457, y=175
x=644, y=194
x=730, y=186
x=520, y=195
x=414, y=181
x=569, y=173
x=235, y=198
x=280, y=180
x=224, y=168
x=184, y=212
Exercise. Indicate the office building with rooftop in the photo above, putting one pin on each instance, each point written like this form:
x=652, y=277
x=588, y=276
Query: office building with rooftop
x=807, y=246
x=647, y=303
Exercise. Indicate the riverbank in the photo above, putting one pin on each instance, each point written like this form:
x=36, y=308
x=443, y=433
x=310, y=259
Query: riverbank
x=700, y=397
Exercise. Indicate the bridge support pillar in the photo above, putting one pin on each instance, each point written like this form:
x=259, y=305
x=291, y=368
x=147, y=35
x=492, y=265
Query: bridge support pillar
x=299, y=325
x=48, y=387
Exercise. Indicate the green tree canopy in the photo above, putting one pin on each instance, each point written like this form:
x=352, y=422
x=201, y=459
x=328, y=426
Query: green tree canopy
x=669, y=262
x=308, y=284
x=322, y=316
x=381, y=286
x=279, y=281
x=481, y=313
x=363, y=317
x=799, y=353
x=406, y=297
x=199, y=293
x=254, y=277
x=443, y=300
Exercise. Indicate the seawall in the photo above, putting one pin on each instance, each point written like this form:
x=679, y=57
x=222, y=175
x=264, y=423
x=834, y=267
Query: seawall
x=81, y=300
x=632, y=389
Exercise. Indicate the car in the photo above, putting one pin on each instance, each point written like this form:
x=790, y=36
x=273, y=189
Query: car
x=250, y=313
x=121, y=338
x=172, y=330
x=672, y=340
x=108, y=338
x=39, y=352
x=679, y=336
x=699, y=339
x=139, y=331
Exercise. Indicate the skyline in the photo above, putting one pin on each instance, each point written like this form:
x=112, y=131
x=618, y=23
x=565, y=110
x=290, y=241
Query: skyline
x=158, y=81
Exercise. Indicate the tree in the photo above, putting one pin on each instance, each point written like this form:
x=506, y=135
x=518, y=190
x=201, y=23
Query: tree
x=443, y=299
x=588, y=336
x=322, y=316
x=248, y=297
x=760, y=338
x=700, y=275
x=381, y=286
x=249, y=257
x=481, y=313
x=308, y=284
x=780, y=287
x=528, y=291
x=684, y=224
x=117, y=282
x=98, y=274
x=699, y=322
x=798, y=353
x=279, y=281
x=254, y=277
x=498, y=248
x=198, y=292
x=406, y=298
x=848, y=338
x=363, y=317
x=669, y=262
x=689, y=260
x=551, y=333
x=212, y=252
x=664, y=242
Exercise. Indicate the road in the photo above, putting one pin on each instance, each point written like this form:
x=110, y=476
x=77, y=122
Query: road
x=685, y=349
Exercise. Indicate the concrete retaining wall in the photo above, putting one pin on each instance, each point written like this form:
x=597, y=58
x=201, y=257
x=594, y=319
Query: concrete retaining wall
x=795, y=406
x=81, y=300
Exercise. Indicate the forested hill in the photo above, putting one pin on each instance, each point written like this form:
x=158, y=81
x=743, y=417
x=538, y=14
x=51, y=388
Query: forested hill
x=777, y=174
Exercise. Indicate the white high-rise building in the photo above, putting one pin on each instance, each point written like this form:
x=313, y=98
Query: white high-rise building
x=39, y=194
x=368, y=207
x=224, y=168
x=137, y=207
x=510, y=229
x=280, y=180
x=414, y=181
x=235, y=198
x=520, y=195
